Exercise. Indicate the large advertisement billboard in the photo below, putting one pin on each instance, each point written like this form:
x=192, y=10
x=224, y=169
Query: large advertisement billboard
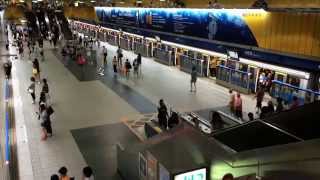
x=222, y=25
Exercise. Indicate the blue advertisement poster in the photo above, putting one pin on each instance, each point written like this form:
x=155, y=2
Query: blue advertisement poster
x=222, y=25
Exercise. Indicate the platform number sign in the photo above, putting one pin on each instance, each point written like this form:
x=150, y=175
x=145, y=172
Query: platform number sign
x=199, y=174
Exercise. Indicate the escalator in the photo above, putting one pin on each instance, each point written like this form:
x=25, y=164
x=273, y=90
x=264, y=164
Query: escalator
x=291, y=126
x=64, y=24
x=32, y=24
x=43, y=26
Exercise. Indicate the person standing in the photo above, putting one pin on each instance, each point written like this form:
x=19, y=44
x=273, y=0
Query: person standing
x=32, y=89
x=119, y=55
x=162, y=114
x=36, y=69
x=43, y=117
x=139, y=60
x=231, y=101
x=105, y=55
x=194, y=76
x=7, y=68
x=50, y=38
x=127, y=67
x=238, y=106
x=114, y=63
x=279, y=107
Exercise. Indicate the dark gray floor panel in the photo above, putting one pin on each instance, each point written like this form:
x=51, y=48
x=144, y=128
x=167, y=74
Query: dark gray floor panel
x=98, y=147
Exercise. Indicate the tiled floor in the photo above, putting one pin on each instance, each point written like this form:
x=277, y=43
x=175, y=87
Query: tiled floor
x=83, y=107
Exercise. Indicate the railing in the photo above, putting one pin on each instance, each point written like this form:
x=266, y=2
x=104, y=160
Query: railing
x=287, y=91
x=236, y=79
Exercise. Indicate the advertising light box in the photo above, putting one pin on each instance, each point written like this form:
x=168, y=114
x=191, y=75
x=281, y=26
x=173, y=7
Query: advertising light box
x=222, y=24
x=200, y=174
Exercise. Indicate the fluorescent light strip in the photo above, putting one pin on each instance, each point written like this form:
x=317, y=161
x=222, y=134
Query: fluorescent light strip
x=211, y=53
x=276, y=68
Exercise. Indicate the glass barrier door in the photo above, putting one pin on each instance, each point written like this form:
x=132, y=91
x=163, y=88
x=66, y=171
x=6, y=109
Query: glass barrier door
x=280, y=76
x=253, y=80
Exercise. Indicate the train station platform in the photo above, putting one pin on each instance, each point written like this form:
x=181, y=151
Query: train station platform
x=90, y=110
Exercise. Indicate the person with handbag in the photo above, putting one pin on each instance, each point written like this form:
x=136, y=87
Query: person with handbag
x=43, y=117
x=32, y=89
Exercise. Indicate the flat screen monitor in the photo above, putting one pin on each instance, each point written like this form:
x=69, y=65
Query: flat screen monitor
x=233, y=54
x=199, y=174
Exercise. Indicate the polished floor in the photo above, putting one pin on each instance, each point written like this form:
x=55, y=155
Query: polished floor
x=89, y=110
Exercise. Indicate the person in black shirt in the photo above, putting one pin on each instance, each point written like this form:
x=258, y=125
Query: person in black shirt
x=162, y=114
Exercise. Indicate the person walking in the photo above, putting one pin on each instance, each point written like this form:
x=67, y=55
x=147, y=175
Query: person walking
x=135, y=67
x=54, y=177
x=127, y=67
x=45, y=88
x=259, y=95
x=63, y=172
x=36, y=69
x=32, y=89
x=194, y=76
x=87, y=173
x=114, y=64
x=139, y=60
x=238, y=106
x=295, y=102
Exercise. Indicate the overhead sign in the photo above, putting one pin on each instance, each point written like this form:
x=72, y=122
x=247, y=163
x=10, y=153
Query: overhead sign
x=200, y=174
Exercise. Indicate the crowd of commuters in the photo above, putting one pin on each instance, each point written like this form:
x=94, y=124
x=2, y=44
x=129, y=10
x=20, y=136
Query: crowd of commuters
x=235, y=104
x=45, y=110
x=87, y=174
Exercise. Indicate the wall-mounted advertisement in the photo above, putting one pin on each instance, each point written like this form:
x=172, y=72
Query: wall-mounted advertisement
x=199, y=174
x=214, y=24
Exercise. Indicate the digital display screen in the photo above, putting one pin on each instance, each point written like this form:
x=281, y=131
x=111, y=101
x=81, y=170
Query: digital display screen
x=199, y=174
x=233, y=54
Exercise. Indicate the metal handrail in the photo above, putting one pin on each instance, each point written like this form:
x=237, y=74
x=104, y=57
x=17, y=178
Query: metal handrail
x=295, y=87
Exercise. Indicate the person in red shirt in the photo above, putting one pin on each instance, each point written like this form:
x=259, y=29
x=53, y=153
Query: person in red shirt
x=295, y=103
x=238, y=106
